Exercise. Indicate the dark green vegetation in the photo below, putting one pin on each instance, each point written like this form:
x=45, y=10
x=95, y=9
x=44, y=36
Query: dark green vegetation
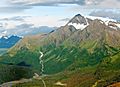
x=79, y=58
x=24, y=57
x=12, y=72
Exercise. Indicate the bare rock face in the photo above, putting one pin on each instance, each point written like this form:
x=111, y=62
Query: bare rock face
x=78, y=19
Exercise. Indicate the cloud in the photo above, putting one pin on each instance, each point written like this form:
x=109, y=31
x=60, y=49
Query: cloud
x=15, y=18
x=47, y=2
x=14, y=6
x=111, y=13
x=102, y=3
x=65, y=19
x=23, y=25
x=87, y=3
x=93, y=2
x=13, y=9
x=12, y=22
x=110, y=4
x=35, y=21
x=26, y=29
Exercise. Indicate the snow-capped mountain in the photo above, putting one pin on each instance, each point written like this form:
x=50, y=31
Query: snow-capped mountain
x=9, y=41
x=112, y=23
x=81, y=22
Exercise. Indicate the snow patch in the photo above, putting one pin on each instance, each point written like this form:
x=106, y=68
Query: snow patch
x=101, y=22
x=78, y=25
x=106, y=21
x=100, y=18
x=118, y=25
x=5, y=37
x=113, y=27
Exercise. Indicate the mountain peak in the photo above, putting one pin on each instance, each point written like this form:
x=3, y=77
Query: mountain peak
x=79, y=22
x=78, y=19
x=78, y=15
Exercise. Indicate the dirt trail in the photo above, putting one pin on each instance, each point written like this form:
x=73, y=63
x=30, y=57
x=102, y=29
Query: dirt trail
x=10, y=84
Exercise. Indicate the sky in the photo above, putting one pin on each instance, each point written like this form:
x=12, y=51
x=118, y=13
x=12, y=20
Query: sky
x=52, y=13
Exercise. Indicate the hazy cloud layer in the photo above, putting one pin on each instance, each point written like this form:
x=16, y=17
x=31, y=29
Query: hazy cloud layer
x=27, y=25
x=107, y=13
x=65, y=19
x=28, y=29
x=89, y=3
x=15, y=18
x=13, y=6
x=47, y=2
x=13, y=9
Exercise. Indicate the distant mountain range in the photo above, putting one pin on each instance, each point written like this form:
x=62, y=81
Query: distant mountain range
x=25, y=30
x=7, y=39
x=83, y=53
x=7, y=42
